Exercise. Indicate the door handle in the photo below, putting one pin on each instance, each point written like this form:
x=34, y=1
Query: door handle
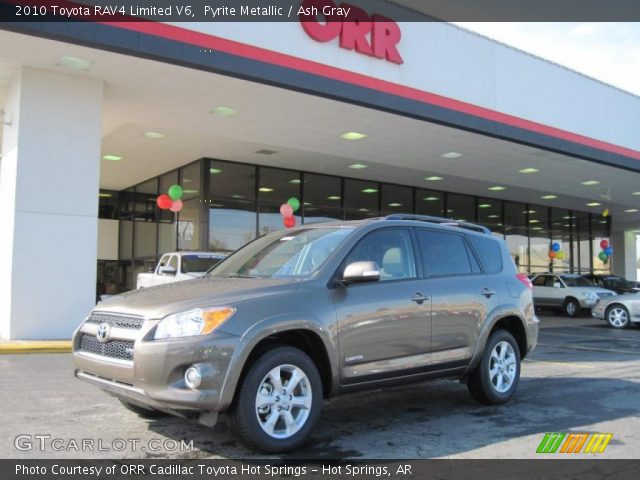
x=419, y=298
x=487, y=292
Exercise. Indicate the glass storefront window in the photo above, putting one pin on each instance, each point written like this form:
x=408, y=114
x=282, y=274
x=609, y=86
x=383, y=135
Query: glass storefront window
x=190, y=181
x=429, y=202
x=276, y=186
x=361, y=199
x=125, y=241
x=490, y=214
x=600, y=231
x=396, y=199
x=108, y=204
x=231, y=180
x=322, y=198
x=231, y=225
x=461, y=207
x=539, y=253
x=189, y=225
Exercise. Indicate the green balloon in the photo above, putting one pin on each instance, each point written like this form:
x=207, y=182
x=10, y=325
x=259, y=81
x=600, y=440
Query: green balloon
x=602, y=256
x=175, y=192
x=294, y=203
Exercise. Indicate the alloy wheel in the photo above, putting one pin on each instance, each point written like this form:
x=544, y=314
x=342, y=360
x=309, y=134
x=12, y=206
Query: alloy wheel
x=502, y=367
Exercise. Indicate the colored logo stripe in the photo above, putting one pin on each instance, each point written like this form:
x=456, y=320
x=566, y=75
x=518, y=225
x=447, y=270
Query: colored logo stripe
x=574, y=442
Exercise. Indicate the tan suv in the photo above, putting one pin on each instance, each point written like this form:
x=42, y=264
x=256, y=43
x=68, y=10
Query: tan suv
x=314, y=312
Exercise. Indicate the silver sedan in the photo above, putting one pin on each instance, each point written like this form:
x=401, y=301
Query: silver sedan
x=619, y=311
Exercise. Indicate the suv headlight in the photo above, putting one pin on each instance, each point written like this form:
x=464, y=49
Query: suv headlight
x=191, y=323
x=590, y=296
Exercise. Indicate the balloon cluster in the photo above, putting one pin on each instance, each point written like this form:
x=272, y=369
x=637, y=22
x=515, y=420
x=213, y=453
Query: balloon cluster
x=606, y=252
x=171, y=199
x=555, y=252
x=287, y=209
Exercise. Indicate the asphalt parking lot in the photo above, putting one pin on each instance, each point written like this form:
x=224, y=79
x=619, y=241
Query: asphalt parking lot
x=583, y=377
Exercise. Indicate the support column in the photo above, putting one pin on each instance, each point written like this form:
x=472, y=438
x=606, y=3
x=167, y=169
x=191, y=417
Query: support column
x=49, y=183
x=625, y=255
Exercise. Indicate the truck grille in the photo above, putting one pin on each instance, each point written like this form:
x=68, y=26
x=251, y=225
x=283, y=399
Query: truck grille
x=119, y=349
x=116, y=320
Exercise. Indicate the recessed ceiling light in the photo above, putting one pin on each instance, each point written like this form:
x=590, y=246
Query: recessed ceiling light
x=395, y=204
x=536, y=228
x=431, y=199
x=497, y=188
x=451, y=155
x=104, y=195
x=602, y=221
x=493, y=216
x=568, y=217
x=548, y=197
x=74, y=63
x=295, y=181
x=592, y=204
x=484, y=205
x=112, y=158
x=588, y=183
x=215, y=171
x=224, y=111
x=307, y=204
x=358, y=166
x=353, y=136
x=265, y=189
x=635, y=193
x=154, y=135
x=333, y=197
x=449, y=210
x=433, y=178
x=631, y=210
x=363, y=209
x=190, y=191
x=239, y=197
x=529, y=211
x=369, y=190
x=529, y=170
x=533, y=220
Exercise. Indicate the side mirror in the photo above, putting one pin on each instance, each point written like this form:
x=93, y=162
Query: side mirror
x=167, y=270
x=360, y=272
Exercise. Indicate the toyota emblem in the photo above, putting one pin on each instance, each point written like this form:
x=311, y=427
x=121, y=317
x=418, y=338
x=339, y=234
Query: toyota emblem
x=103, y=332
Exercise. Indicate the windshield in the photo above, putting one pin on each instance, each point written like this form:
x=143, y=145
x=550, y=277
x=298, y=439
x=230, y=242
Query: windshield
x=577, y=282
x=198, y=263
x=286, y=254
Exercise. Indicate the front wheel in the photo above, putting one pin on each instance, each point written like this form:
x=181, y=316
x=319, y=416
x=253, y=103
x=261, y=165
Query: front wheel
x=617, y=316
x=571, y=307
x=496, y=378
x=278, y=401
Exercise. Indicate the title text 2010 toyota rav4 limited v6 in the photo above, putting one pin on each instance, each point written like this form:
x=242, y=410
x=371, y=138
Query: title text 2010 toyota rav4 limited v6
x=314, y=312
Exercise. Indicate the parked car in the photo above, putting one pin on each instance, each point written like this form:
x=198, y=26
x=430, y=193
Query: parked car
x=312, y=312
x=179, y=266
x=620, y=311
x=612, y=282
x=568, y=293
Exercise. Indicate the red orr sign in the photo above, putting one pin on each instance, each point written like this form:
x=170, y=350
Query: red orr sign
x=375, y=35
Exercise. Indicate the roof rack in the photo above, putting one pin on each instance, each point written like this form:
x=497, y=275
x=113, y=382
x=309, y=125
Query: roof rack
x=438, y=220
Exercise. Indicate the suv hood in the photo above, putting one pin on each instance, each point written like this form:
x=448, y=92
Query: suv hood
x=162, y=300
x=596, y=290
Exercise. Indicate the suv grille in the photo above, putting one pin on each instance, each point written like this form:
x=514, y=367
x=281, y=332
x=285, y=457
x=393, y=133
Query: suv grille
x=119, y=349
x=116, y=320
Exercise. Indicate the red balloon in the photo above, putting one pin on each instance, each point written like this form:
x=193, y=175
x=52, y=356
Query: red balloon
x=552, y=254
x=289, y=222
x=176, y=205
x=164, y=202
x=604, y=244
x=286, y=210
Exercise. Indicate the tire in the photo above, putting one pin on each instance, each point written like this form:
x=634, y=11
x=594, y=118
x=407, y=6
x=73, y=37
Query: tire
x=490, y=388
x=278, y=424
x=571, y=307
x=142, y=412
x=617, y=316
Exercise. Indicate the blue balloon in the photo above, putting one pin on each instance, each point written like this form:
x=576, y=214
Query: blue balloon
x=555, y=246
x=608, y=251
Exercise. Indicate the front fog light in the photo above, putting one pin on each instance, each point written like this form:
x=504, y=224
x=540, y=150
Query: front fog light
x=193, y=377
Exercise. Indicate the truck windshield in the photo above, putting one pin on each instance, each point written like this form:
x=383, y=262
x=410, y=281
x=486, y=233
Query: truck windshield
x=297, y=254
x=198, y=263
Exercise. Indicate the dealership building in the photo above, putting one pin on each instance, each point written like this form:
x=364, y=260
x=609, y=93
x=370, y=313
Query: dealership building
x=100, y=119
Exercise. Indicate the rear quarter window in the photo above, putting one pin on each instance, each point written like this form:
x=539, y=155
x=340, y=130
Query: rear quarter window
x=489, y=252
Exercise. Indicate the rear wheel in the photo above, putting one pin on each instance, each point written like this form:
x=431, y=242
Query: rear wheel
x=571, y=307
x=617, y=316
x=149, y=413
x=496, y=378
x=278, y=402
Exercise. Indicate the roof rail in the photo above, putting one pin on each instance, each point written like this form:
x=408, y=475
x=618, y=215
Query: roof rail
x=438, y=220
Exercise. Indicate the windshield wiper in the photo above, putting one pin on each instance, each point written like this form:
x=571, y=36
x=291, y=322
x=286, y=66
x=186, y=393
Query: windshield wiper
x=239, y=275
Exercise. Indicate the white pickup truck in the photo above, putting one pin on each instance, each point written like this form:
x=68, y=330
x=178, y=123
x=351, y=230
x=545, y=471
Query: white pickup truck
x=179, y=266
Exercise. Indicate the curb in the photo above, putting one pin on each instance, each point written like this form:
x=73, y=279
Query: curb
x=34, y=346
